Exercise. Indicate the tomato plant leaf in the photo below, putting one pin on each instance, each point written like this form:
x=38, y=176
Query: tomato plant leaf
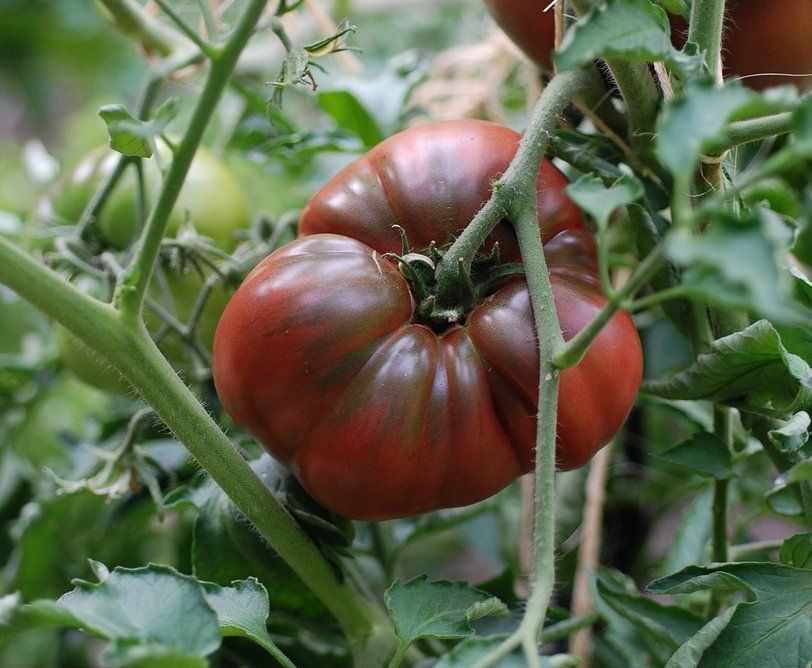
x=242, y=611
x=131, y=136
x=703, y=454
x=226, y=549
x=622, y=29
x=800, y=472
x=690, y=652
x=773, y=627
x=737, y=264
x=797, y=551
x=793, y=435
x=669, y=624
x=749, y=369
x=783, y=499
x=439, y=609
x=600, y=201
x=350, y=114
x=694, y=118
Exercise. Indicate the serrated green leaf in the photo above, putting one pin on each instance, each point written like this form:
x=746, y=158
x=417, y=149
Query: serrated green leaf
x=670, y=624
x=600, y=201
x=131, y=136
x=703, y=454
x=797, y=551
x=693, y=119
x=440, y=609
x=773, y=628
x=242, y=610
x=622, y=29
x=749, y=369
x=153, y=605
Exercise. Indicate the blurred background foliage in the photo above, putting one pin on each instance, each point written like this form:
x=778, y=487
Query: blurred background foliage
x=416, y=60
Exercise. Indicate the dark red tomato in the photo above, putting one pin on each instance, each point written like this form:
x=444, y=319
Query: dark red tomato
x=528, y=25
x=765, y=37
x=321, y=356
x=760, y=37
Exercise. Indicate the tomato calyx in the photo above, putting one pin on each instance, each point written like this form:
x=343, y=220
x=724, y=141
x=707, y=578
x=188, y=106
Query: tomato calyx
x=464, y=289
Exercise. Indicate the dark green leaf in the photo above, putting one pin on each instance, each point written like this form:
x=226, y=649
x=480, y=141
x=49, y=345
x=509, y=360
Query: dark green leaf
x=689, y=543
x=242, y=610
x=622, y=29
x=772, y=628
x=740, y=264
x=690, y=652
x=704, y=454
x=750, y=369
x=439, y=609
x=226, y=548
x=670, y=624
x=800, y=472
x=350, y=115
x=793, y=435
x=131, y=136
x=784, y=500
x=694, y=118
x=797, y=551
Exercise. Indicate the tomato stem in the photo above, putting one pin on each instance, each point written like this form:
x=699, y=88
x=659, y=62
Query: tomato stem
x=130, y=297
x=520, y=176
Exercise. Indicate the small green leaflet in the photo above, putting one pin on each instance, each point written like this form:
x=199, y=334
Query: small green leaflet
x=439, y=609
x=600, y=202
x=133, y=137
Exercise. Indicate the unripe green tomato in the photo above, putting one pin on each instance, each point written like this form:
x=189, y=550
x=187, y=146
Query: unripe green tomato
x=86, y=365
x=211, y=197
x=213, y=200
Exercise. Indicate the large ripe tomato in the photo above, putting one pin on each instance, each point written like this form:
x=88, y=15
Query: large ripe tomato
x=211, y=197
x=321, y=355
x=760, y=37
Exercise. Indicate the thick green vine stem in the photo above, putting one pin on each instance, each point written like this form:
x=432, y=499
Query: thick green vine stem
x=519, y=177
x=707, y=19
x=132, y=352
x=120, y=338
x=515, y=198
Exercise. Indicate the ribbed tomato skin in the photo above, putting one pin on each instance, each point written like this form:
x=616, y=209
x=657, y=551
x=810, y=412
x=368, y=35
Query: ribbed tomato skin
x=320, y=357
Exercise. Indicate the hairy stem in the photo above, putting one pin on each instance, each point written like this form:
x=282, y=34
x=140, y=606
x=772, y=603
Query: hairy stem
x=755, y=129
x=707, y=19
x=522, y=172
